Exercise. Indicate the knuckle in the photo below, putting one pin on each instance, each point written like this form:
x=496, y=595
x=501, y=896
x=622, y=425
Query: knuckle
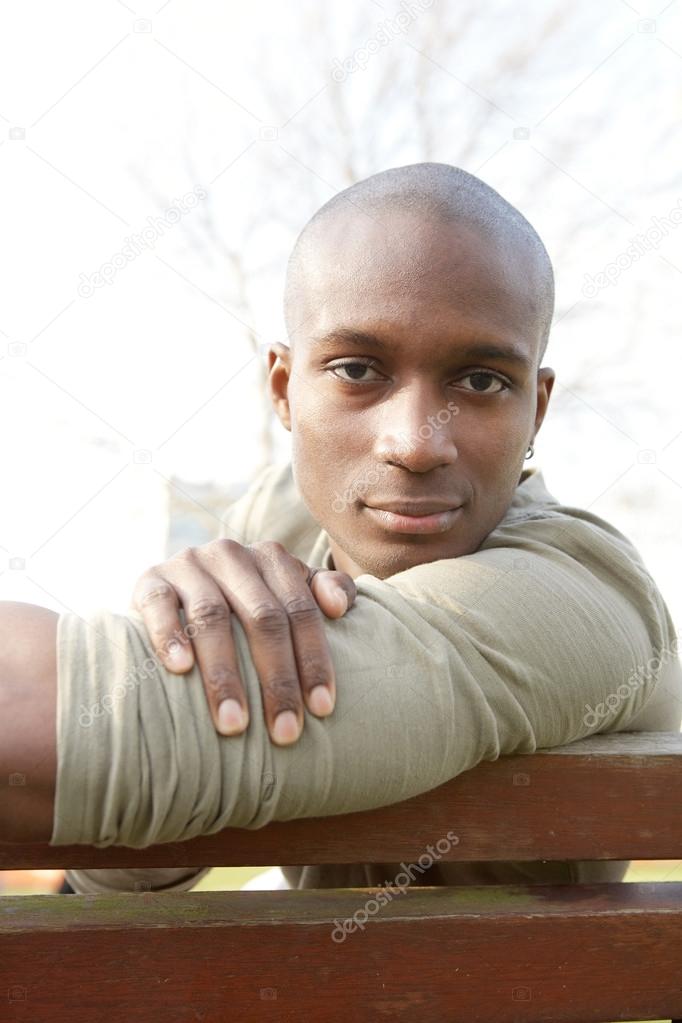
x=209, y=610
x=155, y=594
x=271, y=552
x=186, y=554
x=150, y=575
x=283, y=692
x=314, y=671
x=224, y=545
x=269, y=618
x=314, y=678
x=301, y=610
x=221, y=680
x=269, y=547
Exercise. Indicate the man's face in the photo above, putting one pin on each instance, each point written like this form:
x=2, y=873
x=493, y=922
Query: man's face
x=409, y=432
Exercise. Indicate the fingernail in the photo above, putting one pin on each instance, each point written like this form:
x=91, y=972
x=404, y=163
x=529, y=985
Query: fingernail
x=231, y=717
x=176, y=653
x=342, y=600
x=320, y=701
x=285, y=729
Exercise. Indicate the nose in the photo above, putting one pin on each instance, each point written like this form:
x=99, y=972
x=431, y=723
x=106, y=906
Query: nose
x=415, y=429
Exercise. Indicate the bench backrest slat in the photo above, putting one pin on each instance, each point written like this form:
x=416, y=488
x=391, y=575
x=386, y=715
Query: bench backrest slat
x=509, y=954
x=607, y=797
x=571, y=953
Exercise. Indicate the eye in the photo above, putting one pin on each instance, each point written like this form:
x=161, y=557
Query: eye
x=351, y=367
x=484, y=377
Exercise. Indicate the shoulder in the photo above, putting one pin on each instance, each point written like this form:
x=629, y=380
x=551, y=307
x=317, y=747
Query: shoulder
x=272, y=509
x=553, y=566
x=543, y=530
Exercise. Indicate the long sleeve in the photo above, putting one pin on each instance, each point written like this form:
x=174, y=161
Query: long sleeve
x=549, y=633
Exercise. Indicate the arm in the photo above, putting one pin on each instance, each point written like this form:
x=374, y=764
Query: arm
x=28, y=696
x=438, y=668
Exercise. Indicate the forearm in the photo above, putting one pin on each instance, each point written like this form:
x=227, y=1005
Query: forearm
x=28, y=693
x=427, y=686
x=140, y=761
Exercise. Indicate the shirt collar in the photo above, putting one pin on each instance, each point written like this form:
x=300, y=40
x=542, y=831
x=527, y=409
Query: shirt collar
x=530, y=494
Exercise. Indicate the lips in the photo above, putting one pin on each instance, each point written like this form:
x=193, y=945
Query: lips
x=439, y=521
x=416, y=507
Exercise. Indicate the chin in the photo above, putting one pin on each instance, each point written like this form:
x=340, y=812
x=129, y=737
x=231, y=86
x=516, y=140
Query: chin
x=391, y=561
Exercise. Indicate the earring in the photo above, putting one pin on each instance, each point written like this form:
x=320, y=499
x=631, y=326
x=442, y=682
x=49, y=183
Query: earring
x=529, y=453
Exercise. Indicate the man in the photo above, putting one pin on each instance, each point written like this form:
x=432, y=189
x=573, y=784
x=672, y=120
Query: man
x=486, y=617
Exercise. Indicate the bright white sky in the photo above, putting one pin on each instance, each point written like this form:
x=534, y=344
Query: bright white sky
x=121, y=115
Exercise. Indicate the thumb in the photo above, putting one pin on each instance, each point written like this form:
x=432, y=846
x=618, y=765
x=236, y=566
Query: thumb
x=334, y=591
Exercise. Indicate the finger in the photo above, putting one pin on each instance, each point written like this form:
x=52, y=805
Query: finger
x=156, y=600
x=334, y=592
x=266, y=625
x=208, y=618
x=287, y=578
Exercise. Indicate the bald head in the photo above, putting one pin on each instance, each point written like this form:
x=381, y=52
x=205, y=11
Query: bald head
x=430, y=191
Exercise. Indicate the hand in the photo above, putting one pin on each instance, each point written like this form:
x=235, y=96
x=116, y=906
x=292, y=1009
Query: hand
x=277, y=598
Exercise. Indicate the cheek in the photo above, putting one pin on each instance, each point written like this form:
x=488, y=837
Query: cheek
x=325, y=432
x=494, y=442
x=493, y=458
x=318, y=450
x=313, y=434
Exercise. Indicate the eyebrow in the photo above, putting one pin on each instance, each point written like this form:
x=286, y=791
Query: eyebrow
x=476, y=350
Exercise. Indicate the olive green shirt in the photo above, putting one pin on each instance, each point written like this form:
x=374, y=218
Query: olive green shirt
x=551, y=631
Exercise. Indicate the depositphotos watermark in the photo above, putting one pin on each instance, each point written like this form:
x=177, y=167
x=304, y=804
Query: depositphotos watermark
x=386, y=32
x=136, y=244
x=425, y=432
x=132, y=679
x=638, y=247
x=641, y=674
x=358, y=921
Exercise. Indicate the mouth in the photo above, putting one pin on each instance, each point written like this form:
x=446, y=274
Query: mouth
x=415, y=520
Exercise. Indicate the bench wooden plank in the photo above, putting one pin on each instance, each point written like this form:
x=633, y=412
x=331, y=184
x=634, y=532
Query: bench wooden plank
x=612, y=796
x=463, y=955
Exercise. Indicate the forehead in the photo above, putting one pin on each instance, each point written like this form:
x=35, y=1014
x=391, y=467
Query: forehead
x=413, y=272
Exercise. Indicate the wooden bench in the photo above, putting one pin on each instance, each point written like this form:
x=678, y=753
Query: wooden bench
x=495, y=954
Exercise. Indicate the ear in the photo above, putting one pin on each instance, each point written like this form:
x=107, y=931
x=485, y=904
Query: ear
x=546, y=377
x=279, y=370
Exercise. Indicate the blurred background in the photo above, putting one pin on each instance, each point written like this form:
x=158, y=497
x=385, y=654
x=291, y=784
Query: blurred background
x=158, y=161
